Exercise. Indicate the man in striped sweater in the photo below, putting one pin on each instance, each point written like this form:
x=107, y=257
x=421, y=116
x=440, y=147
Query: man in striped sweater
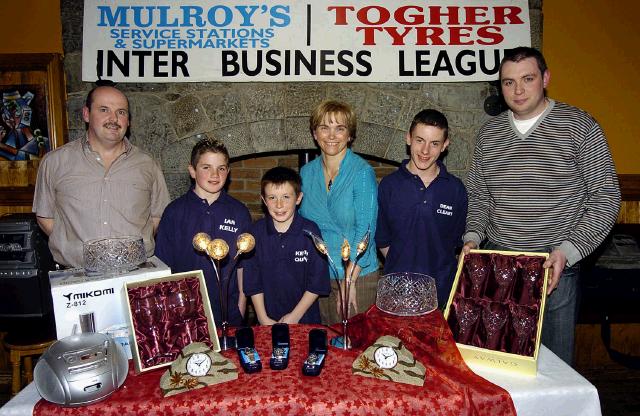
x=542, y=179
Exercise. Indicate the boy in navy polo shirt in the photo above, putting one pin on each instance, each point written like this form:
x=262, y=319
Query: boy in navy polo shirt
x=423, y=208
x=206, y=207
x=286, y=274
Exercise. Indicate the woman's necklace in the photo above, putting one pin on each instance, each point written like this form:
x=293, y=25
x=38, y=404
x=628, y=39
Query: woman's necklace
x=329, y=176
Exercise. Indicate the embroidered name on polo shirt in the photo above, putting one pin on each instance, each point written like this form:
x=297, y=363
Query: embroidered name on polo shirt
x=445, y=210
x=301, y=256
x=227, y=226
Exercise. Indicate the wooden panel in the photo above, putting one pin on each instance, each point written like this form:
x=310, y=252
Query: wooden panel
x=18, y=209
x=630, y=187
x=630, y=190
x=629, y=212
x=590, y=350
x=18, y=173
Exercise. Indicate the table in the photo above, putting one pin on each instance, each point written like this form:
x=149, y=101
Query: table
x=557, y=388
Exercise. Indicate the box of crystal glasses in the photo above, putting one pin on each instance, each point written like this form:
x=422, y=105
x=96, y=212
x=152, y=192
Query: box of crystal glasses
x=93, y=302
x=495, y=309
x=166, y=314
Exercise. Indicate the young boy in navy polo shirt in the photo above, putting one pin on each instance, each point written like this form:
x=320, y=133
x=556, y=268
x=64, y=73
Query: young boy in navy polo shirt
x=286, y=274
x=422, y=208
x=206, y=207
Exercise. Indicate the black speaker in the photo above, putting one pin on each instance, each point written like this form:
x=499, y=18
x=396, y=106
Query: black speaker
x=25, y=262
x=494, y=105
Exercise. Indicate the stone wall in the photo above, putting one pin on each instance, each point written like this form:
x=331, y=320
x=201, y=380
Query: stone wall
x=262, y=118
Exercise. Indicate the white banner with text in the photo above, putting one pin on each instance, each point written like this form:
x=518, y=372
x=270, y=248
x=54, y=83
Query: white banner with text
x=289, y=40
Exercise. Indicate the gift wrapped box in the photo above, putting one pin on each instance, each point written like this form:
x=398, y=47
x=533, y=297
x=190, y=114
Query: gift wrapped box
x=167, y=314
x=496, y=306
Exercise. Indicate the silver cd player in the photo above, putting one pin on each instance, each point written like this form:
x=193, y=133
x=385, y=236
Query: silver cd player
x=81, y=369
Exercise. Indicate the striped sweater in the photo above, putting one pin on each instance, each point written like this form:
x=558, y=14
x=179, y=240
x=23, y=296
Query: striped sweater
x=553, y=187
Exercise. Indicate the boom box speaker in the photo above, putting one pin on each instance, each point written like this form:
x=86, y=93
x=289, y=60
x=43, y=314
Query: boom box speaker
x=81, y=369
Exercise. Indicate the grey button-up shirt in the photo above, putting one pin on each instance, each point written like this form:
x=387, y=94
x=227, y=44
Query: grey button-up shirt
x=88, y=202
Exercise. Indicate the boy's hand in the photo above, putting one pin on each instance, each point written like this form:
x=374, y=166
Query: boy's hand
x=267, y=321
x=289, y=319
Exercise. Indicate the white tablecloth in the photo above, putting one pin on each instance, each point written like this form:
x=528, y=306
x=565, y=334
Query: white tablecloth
x=557, y=390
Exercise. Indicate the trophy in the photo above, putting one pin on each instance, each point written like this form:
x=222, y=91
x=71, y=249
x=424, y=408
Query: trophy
x=217, y=250
x=345, y=285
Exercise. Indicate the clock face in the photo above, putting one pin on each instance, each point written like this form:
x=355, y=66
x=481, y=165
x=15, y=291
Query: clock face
x=198, y=364
x=386, y=357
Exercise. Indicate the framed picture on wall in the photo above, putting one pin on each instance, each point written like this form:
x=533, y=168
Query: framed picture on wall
x=32, y=120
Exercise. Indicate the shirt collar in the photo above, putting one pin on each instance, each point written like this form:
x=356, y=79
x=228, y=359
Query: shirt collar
x=87, y=147
x=192, y=196
x=444, y=174
x=295, y=227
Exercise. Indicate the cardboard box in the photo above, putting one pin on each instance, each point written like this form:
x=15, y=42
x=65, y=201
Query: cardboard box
x=166, y=314
x=77, y=295
x=519, y=296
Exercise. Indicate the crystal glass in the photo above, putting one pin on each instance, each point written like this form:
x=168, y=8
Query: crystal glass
x=183, y=306
x=504, y=272
x=114, y=254
x=407, y=294
x=524, y=320
x=477, y=271
x=148, y=312
x=531, y=274
x=494, y=317
x=467, y=314
x=182, y=303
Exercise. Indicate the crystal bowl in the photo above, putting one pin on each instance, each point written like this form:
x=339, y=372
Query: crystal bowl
x=407, y=294
x=114, y=254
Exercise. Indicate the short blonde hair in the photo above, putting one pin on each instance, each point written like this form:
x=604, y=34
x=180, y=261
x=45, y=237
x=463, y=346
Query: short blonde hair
x=333, y=108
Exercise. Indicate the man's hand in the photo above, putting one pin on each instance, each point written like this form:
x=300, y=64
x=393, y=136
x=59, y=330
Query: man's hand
x=557, y=261
x=469, y=245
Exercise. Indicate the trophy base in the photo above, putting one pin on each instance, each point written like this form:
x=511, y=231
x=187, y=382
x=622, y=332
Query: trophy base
x=227, y=343
x=338, y=342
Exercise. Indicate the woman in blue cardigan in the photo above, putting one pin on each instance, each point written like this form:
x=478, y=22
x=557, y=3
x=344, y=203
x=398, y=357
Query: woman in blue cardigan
x=340, y=195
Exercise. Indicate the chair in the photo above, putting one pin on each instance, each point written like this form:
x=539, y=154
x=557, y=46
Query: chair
x=19, y=348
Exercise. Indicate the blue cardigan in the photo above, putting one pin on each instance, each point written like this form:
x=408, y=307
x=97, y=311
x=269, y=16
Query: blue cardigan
x=346, y=211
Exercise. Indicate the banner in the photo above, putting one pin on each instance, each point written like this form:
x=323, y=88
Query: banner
x=289, y=40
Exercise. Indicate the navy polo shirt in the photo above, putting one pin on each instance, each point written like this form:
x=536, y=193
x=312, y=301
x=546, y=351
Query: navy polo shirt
x=284, y=266
x=188, y=215
x=422, y=225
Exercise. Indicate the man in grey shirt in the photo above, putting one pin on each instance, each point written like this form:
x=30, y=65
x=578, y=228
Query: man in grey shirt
x=99, y=186
x=542, y=179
